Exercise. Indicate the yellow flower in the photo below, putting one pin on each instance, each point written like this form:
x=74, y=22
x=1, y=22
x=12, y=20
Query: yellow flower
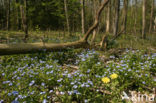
x=105, y=79
x=114, y=76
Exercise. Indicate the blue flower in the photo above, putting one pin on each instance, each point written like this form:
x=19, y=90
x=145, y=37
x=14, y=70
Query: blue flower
x=69, y=75
x=43, y=84
x=90, y=82
x=1, y=101
x=82, y=85
x=88, y=70
x=5, y=82
x=75, y=91
x=72, y=83
x=87, y=85
x=10, y=84
x=20, y=96
x=47, y=73
x=129, y=70
x=44, y=101
x=83, y=59
x=15, y=101
x=9, y=94
x=62, y=93
x=117, y=66
x=3, y=74
x=51, y=71
x=70, y=92
x=50, y=91
x=144, y=82
x=14, y=93
x=59, y=80
x=42, y=93
x=112, y=57
x=31, y=83
x=85, y=100
x=32, y=92
x=78, y=93
x=75, y=86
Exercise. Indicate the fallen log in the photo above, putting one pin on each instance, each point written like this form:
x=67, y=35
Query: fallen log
x=8, y=49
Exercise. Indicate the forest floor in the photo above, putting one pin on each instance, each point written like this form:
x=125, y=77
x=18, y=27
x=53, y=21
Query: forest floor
x=125, y=73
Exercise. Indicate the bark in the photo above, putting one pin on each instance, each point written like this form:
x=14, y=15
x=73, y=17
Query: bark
x=26, y=20
x=108, y=18
x=83, y=16
x=18, y=18
x=143, y=19
x=125, y=15
x=24, y=12
x=96, y=22
x=2, y=14
x=155, y=24
x=95, y=11
x=116, y=16
x=103, y=43
x=151, y=18
x=67, y=18
x=135, y=19
x=8, y=15
x=8, y=49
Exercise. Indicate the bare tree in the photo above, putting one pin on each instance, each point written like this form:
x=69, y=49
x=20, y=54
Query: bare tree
x=155, y=24
x=8, y=15
x=95, y=4
x=2, y=14
x=117, y=9
x=151, y=18
x=108, y=18
x=83, y=16
x=135, y=18
x=24, y=11
x=67, y=18
x=125, y=15
x=144, y=19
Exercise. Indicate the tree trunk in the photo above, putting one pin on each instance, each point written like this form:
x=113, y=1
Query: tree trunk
x=83, y=16
x=2, y=15
x=143, y=19
x=117, y=8
x=108, y=18
x=18, y=18
x=135, y=18
x=125, y=15
x=155, y=24
x=95, y=11
x=24, y=19
x=8, y=15
x=103, y=43
x=6, y=49
x=151, y=18
x=67, y=18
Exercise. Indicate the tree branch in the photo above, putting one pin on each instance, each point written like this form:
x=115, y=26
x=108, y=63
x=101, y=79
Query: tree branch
x=96, y=22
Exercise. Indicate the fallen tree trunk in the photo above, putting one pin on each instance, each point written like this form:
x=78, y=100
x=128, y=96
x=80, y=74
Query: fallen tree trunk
x=8, y=49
